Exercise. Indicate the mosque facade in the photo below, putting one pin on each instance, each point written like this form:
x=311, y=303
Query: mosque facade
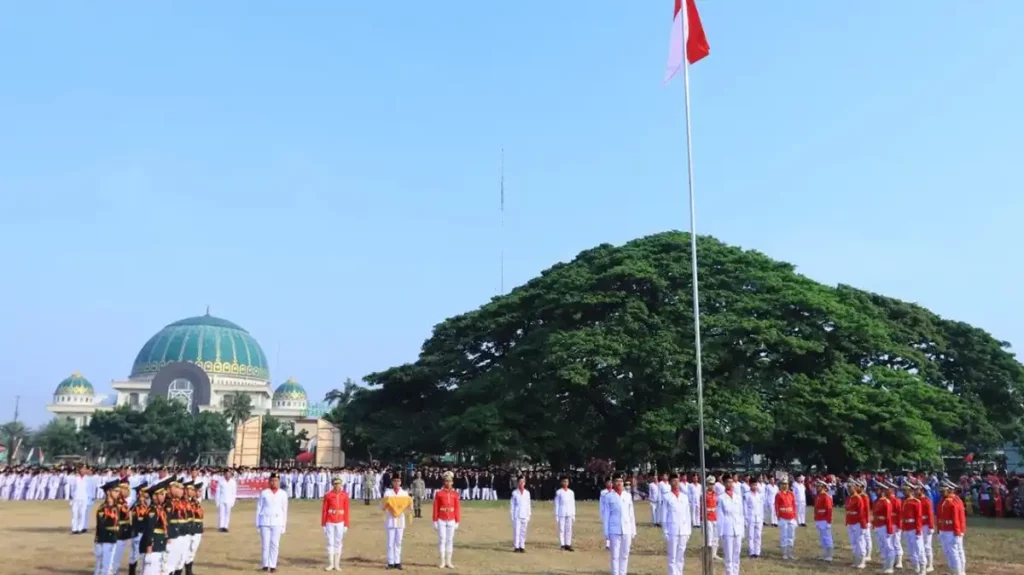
x=199, y=361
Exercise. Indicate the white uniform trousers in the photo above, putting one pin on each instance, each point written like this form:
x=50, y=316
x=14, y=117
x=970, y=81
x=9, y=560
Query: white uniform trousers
x=223, y=516
x=565, y=530
x=731, y=553
x=824, y=534
x=926, y=542
x=79, y=516
x=677, y=553
x=193, y=548
x=655, y=518
x=153, y=563
x=395, y=545
x=119, y=554
x=897, y=543
x=787, y=532
x=914, y=545
x=335, y=533
x=755, y=530
x=134, y=553
x=270, y=543
x=856, y=535
x=619, y=552
x=175, y=552
x=104, y=553
x=953, y=549
x=801, y=513
x=712, y=529
x=519, y=532
x=184, y=548
x=445, y=539
x=867, y=541
x=695, y=514
x=884, y=543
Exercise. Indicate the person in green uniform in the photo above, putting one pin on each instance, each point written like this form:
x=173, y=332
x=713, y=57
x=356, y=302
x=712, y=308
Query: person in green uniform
x=153, y=531
x=138, y=514
x=196, y=523
x=108, y=516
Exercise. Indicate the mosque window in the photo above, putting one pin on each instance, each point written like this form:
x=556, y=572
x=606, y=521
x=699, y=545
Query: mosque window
x=133, y=399
x=181, y=390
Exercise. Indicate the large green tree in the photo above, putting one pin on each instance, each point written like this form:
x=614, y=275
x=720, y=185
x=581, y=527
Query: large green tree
x=595, y=358
x=279, y=440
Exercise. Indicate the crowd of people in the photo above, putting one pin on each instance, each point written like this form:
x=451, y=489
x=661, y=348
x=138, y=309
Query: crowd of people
x=898, y=513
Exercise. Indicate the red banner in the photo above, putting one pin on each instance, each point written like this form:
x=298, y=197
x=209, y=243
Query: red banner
x=247, y=488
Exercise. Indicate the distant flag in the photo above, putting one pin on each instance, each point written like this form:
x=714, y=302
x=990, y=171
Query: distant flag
x=969, y=458
x=690, y=28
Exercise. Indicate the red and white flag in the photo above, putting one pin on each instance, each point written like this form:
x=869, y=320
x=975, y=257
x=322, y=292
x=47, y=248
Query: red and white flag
x=686, y=27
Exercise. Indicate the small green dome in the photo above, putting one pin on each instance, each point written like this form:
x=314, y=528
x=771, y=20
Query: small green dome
x=290, y=391
x=74, y=385
x=216, y=345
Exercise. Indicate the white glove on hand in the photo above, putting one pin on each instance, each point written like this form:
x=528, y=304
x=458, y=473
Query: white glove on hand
x=456, y=526
x=325, y=529
x=344, y=529
x=437, y=526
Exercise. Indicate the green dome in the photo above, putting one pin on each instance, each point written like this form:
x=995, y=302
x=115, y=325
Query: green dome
x=290, y=391
x=214, y=344
x=74, y=385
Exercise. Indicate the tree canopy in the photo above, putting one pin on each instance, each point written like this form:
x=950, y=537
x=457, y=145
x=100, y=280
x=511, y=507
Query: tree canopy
x=595, y=358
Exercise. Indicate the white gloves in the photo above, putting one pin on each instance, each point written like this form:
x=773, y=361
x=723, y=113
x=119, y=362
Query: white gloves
x=456, y=526
x=325, y=529
x=437, y=526
x=344, y=529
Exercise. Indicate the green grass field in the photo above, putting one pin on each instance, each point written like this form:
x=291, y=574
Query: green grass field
x=35, y=540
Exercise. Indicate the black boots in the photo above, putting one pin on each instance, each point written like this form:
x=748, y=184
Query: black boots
x=188, y=568
x=132, y=568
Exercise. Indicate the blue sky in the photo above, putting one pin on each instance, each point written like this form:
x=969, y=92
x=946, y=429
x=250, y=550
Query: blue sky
x=326, y=173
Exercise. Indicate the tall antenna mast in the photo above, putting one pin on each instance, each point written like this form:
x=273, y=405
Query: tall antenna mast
x=17, y=403
x=501, y=240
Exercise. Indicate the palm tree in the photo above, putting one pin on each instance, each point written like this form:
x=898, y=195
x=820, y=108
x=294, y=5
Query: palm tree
x=343, y=396
x=12, y=434
x=237, y=410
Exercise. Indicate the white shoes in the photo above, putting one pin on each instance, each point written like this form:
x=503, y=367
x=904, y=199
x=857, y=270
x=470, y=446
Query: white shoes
x=332, y=563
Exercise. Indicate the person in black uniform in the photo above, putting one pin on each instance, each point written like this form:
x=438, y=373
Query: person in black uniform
x=139, y=511
x=177, y=541
x=108, y=517
x=196, y=523
x=153, y=530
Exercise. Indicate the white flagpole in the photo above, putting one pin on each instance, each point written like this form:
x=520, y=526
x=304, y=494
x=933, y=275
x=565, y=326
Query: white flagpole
x=693, y=271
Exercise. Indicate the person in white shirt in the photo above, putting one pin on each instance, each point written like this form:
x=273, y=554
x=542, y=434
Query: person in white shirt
x=753, y=515
x=565, y=514
x=227, y=492
x=770, y=491
x=82, y=488
x=800, y=494
x=601, y=503
x=521, y=510
x=619, y=524
x=695, y=492
x=730, y=526
x=653, y=496
x=271, y=521
x=678, y=524
x=395, y=502
x=663, y=489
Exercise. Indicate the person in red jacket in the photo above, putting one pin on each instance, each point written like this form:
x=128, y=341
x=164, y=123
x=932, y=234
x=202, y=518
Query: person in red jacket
x=334, y=518
x=785, y=508
x=447, y=516
x=823, y=520
x=883, y=526
x=897, y=513
x=911, y=525
x=857, y=518
x=952, y=523
x=711, y=500
x=927, y=525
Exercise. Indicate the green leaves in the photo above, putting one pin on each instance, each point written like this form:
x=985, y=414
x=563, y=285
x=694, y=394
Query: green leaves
x=595, y=358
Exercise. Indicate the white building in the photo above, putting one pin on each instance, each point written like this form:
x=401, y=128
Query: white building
x=198, y=361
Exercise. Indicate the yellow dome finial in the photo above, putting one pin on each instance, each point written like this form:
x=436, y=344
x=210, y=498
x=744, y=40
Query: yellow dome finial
x=207, y=310
x=76, y=373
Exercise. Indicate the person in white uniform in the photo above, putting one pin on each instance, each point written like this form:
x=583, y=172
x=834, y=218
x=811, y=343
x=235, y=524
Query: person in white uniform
x=227, y=493
x=565, y=514
x=753, y=515
x=521, y=510
x=678, y=524
x=800, y=493
x=653, y=496
x=82, y=488
x=395, y=502
x=619, y=525
x=271, y=521
x=730, y=526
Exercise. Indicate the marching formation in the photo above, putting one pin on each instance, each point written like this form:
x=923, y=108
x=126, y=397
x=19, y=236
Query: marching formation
x=156, y=518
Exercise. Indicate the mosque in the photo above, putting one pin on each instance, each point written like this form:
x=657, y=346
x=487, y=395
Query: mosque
x=198, y=361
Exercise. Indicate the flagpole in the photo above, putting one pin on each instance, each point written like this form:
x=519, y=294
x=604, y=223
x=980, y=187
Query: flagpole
x=705, y=567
